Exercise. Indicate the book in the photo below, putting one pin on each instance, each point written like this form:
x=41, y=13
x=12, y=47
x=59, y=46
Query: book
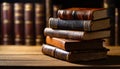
x=7, y=23
x=82, y=13
x=74, y=56
x=29, y=24
x=83, y=25
x=76, y=35
x=72, y=45
x=113, y=12
x=19, y=23
x=39, y=22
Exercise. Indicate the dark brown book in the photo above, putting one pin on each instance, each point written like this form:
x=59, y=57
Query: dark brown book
x=7, y=23
x=72, y=45
x=29, y=24
x=83, y=25
x=39, y=22
x=76, y=35
x=74, y=56
x=82, y=13
x=19, y=23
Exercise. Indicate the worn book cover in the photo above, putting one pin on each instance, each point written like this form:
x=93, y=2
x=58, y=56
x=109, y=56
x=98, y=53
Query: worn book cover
x=76, y=35
x=72, y=45
x=83, y=25
x=74, y=56
x=82, y=13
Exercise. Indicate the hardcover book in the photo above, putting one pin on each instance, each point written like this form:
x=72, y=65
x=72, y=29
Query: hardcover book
x=83, y=25
x=29, y=24
x=39, y=23
x=74, y=56
x=82, y=13
x=76, y=35
x=7, y=23
x=19, y=23
x=72, y=45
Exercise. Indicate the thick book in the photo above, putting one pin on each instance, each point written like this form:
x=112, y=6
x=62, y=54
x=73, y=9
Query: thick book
x=76, y=35
x=72, y=45
x=74, y=56
x=29, y=24
x=39, y=22
x=19, y=23
x=7, y=23
x=82, y=13
x=83, y=25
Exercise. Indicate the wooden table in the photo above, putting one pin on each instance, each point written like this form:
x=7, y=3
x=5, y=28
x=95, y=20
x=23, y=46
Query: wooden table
x=32, y=57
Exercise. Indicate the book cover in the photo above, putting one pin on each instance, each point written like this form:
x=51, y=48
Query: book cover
x=29, y=24
x=7, y=23
x=83, y=25
x=82, y=13
x=76, y=35
x=39, y=22
x=74, y=56
x=19, y=23
x=72, y=45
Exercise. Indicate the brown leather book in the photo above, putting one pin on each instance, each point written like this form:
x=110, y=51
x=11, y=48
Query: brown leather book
x=82, y=13
x=72, y=45
x=39, y=22
x=19, y=23
x=76, y=35
x=29, y=24
x=7, y=23
x=74, y=56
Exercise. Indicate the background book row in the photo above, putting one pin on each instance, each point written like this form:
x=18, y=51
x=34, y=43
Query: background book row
x=22, y=23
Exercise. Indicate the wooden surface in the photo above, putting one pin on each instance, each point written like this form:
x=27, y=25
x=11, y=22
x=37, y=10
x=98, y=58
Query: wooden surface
x=31, y=56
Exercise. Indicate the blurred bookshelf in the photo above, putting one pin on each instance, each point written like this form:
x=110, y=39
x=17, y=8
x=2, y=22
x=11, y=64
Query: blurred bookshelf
x=50, y=8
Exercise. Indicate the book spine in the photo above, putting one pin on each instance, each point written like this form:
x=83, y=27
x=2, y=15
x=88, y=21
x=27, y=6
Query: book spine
x=57, y=23
x=39, y=22
x=49, y=10
x=51, y=51
x=19, y=23
x=68, y=34
x=48, y=50
x=76, y=15
x=29, y=24
x=55, y=10
x=7, y=23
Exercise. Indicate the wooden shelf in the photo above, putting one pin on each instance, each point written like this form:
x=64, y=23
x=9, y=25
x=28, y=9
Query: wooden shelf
x=31, y=56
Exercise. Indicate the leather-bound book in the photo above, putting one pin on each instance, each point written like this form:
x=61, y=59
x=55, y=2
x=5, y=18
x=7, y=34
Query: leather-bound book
x=39, y=22
x=29, y=24
x=74, y=56
x=82, y=13
x=19, y=23
x=7, y=23
x=72, y=45
x=76, y=35
x=83, y=25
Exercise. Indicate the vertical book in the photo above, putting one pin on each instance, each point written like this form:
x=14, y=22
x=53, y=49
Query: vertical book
x=29, y=24
x=19, y=23
x=7, y=23
x=39, y=22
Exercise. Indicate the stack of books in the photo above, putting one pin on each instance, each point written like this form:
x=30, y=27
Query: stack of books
x=77, y=34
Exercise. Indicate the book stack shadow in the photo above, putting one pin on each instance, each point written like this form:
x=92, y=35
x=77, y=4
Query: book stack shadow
x=77, y=34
